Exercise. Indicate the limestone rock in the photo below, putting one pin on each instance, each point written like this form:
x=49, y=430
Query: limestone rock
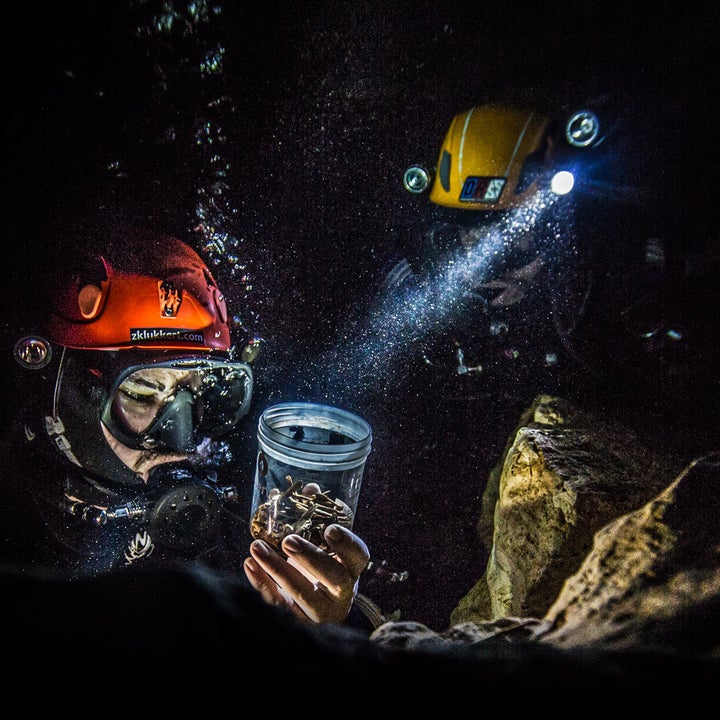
x=409, y=635
x=652, y=579
x=594, y=550
x=564, y=475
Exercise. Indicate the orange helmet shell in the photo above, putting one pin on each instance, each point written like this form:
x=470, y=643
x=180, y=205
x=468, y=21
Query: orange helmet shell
x=164, y=298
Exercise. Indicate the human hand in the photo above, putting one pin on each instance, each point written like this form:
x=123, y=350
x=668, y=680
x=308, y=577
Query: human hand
x=315, y=585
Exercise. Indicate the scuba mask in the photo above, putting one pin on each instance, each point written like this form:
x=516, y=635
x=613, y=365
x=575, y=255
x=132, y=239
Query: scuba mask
x=173, y=404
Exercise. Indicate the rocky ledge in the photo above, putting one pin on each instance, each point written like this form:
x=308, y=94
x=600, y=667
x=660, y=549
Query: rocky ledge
x=600, y=542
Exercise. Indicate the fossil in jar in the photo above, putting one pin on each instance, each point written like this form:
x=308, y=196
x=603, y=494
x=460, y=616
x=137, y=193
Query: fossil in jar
x=300, y=509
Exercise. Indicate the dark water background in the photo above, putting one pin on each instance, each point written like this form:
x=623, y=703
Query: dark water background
x=275, y=134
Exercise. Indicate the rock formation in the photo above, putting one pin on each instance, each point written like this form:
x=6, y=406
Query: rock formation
x=598, y=541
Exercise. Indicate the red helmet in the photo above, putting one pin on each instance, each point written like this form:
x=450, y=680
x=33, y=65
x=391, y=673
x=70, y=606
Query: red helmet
x=164, y=297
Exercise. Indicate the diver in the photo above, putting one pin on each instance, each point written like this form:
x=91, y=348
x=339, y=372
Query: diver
x=131, y=392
